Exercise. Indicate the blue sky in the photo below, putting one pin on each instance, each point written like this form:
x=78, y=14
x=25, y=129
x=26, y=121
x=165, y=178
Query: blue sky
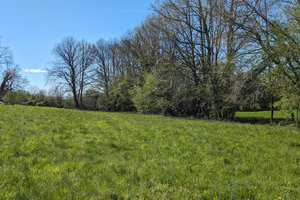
x=31, y=28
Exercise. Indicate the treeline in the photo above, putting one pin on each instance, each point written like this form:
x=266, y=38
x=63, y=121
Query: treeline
x=204, y=58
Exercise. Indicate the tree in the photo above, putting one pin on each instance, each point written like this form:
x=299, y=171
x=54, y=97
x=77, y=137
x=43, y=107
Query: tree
x=106, y=65
x=274, y=30
x=208, y=50
x=86, y=61
x=286, y=65
x=73, y=67
x=11, y=79
x=5, y=56
x=205, y=58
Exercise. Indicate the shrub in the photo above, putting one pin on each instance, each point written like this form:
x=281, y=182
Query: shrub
x=30, y=103
x=10, y=98
x=150, y=97
x=119, y=96
x=42, y=103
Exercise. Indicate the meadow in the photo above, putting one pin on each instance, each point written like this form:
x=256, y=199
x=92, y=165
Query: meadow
x=50, y=153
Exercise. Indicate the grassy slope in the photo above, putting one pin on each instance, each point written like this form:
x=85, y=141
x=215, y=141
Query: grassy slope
x=48, y=153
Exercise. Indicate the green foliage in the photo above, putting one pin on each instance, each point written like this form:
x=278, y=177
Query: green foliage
x=90, y=99
x=49, y=153
x=290, y=104
x=68, y=102
x=52, y=101
x=39, y=99
x=283, y=57
x=119, y=96
x=10, y=98
x=19, y=97
x=165, y=91
x=150, y=98
x=30, y=103
x=42, y=104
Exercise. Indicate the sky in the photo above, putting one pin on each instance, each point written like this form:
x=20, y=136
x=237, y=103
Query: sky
x=31, y=28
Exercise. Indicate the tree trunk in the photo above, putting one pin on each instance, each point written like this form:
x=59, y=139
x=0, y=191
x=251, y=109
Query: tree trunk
x=272, y=110
x=293, y=117
x=76, y=102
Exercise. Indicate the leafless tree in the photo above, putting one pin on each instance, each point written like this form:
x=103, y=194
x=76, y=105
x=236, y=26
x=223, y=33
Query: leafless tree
x=72, y=67
x=11, y=80
x=207, y=44
x=5, y=56
x=105, y=64
x=86, y=60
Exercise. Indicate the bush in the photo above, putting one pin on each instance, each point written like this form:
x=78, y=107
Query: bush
x=150, y=98
x=90, y=99
x=42, y=103
x=68, y=102
x=30, y=103
x=10, y=98
x=19, y=97
x=119, y=96
x=53, y=101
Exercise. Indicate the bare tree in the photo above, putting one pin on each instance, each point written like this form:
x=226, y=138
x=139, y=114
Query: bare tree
x=71, y=68
x=114, y=58
x=86, y=60
x=105, y=68
x=207, y=46
x=11, y=80
x=5, y=56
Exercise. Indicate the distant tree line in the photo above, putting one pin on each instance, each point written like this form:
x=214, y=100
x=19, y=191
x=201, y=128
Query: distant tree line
x=205, y=58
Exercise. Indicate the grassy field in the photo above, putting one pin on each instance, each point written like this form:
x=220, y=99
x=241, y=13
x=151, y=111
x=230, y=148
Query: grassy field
x=262, y=117
x=48, y=153
x=261, y=114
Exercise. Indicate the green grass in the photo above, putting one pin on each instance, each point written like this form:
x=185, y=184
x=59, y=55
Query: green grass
x=48, y=153
x=263, y=117
x=261, y=114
